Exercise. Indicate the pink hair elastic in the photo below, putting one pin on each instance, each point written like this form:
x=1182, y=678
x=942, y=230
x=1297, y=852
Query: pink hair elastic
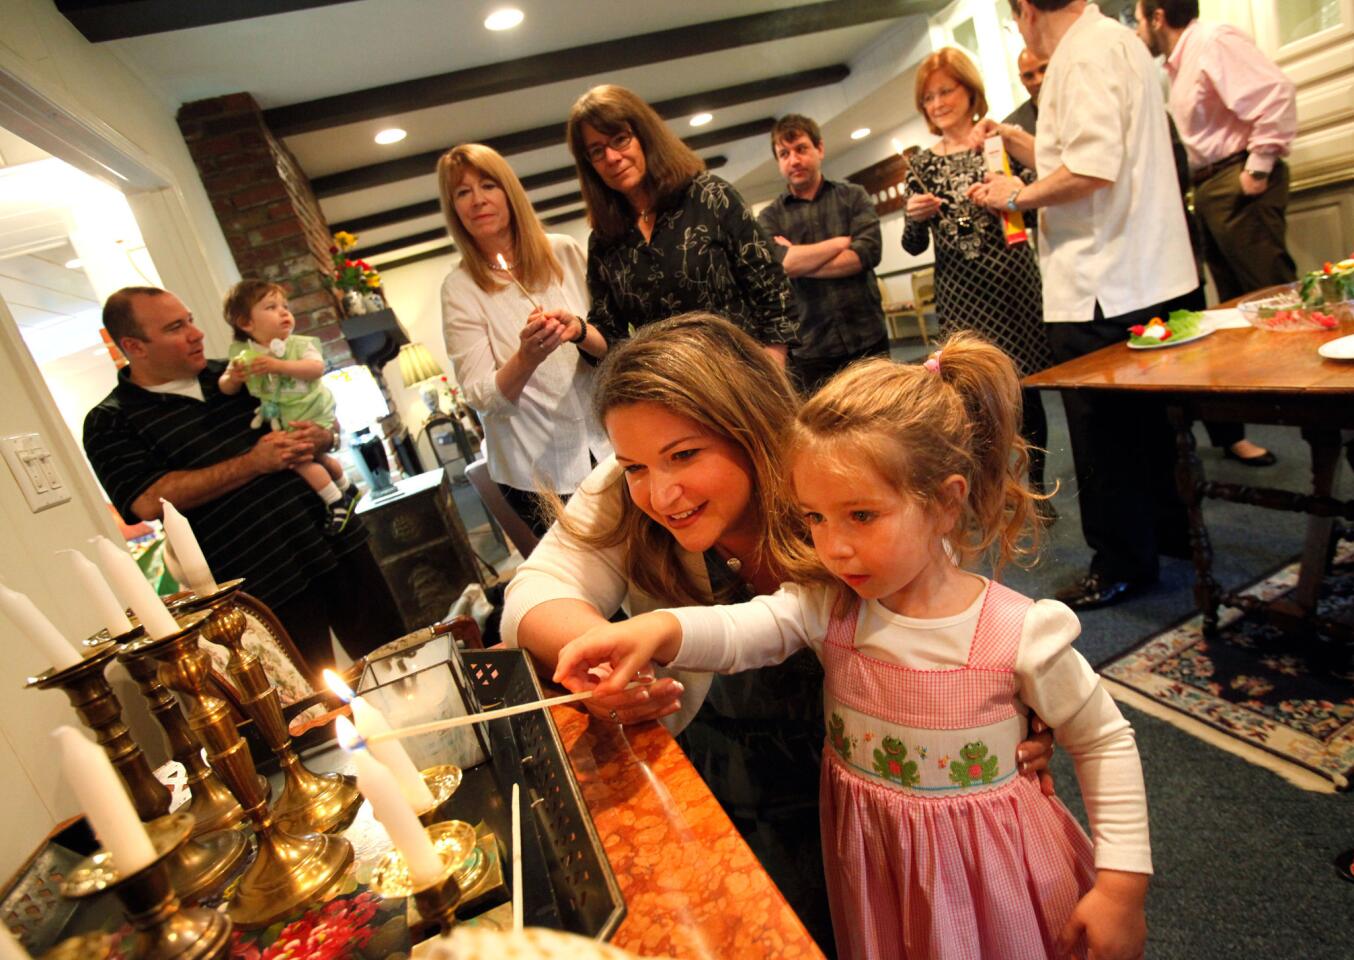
x=933, y=362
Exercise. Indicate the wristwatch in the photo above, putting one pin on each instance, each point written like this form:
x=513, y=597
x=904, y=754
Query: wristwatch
x=582, y=330
x=1011, y=200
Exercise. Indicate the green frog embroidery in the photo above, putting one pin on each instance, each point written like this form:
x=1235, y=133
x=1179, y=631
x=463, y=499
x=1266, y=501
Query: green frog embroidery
x=836, y=731
x=891, y=763
x=974, y=766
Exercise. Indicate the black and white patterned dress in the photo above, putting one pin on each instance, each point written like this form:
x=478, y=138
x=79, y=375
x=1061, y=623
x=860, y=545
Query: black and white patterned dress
x=982, y=284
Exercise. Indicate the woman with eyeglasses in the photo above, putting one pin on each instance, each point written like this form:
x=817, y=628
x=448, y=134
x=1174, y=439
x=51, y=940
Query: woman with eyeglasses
x=512, y=315
x=982, y=284
x=667, y=236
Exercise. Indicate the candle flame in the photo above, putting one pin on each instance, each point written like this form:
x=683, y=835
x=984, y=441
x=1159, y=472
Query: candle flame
x=336, y=684
x=347, y=736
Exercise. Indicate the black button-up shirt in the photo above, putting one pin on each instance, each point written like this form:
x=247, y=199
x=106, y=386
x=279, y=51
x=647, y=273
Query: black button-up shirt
x=268, y=531
x=706, y=253
x=838, y=316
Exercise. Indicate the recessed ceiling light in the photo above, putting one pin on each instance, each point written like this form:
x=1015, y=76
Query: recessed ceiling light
x=392, y=135
x=860, y=134
x=75, y=263
x=701, y=119
x=504, y=19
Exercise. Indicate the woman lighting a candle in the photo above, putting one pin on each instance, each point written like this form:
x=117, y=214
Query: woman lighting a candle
x=512, y=315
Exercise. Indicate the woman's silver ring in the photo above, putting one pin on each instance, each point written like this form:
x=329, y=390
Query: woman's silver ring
x=614, y=717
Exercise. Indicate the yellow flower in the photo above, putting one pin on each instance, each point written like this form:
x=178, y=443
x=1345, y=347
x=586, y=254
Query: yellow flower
x=345, y=240
x=373, y=281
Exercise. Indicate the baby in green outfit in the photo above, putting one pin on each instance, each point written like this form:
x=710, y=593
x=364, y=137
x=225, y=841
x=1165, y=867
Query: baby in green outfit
x=283, y=371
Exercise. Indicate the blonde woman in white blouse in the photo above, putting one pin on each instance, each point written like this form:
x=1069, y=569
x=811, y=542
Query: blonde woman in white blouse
x=519, y=364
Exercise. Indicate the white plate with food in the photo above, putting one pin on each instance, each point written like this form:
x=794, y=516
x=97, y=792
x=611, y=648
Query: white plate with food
x=1338, y=349
x=1172, y=342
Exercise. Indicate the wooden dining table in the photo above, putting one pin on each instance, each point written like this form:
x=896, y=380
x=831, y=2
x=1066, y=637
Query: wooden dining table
x=1245, y=375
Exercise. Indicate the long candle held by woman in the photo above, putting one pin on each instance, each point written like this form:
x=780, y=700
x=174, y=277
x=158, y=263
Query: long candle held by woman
x=127, y=581
x=187, y=551
x=503, y=265
x=389, y=806
x=432, y=726
x=39, y=629
x=369, y=722
x=104, y=799
x=91, y=585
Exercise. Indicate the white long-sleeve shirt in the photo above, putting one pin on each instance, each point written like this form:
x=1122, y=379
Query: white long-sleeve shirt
x=1054, y=681
x=547, y=435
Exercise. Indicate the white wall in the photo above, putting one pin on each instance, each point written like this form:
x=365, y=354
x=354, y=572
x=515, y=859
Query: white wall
x=50, y=64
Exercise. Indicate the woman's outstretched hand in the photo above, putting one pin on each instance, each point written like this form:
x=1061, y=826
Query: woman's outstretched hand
x=607, y=657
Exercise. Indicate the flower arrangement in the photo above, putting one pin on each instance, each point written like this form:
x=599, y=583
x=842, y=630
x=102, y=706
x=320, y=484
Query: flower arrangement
x=357, y=275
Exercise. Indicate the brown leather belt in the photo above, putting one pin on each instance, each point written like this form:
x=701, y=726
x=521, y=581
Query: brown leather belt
x=1197, y=177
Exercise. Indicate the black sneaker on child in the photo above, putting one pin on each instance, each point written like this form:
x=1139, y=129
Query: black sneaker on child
x=341, y=511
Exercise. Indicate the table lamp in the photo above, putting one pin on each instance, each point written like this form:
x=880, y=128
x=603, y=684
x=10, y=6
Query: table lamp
x=417, y=367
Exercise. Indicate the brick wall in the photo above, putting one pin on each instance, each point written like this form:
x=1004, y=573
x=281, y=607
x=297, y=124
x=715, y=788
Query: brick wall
x=270, y=216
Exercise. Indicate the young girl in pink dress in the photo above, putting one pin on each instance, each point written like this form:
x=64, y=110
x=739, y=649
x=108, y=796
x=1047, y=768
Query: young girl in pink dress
x=934, y=845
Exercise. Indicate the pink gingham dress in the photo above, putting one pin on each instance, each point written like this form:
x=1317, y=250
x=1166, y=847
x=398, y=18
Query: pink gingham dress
x=934, y=846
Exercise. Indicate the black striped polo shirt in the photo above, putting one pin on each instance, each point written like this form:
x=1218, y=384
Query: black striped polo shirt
x=269, y=531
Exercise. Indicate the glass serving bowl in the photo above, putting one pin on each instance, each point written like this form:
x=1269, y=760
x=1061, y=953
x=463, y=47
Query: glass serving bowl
x=1284, y=310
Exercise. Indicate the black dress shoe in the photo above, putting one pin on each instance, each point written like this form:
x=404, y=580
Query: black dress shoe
x=1093, y=591
x=1266, y=459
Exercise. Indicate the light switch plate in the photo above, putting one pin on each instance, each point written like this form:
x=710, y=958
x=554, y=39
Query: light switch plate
x=34, y=471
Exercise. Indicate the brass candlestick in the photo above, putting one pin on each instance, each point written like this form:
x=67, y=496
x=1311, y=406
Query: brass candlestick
x=309, y=801
x=98, y=708
x=204, y=863
x=442, y=781
x=436, y=902
x=210, y=803
x=289, y=871
x=165, y=930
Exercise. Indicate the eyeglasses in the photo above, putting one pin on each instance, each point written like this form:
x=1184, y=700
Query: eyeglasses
x=597, y=152
x=932, y=97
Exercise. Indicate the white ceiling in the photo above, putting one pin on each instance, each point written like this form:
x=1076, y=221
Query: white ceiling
x=292, y=58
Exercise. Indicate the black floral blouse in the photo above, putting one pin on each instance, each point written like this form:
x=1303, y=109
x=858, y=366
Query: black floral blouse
x=707, y=252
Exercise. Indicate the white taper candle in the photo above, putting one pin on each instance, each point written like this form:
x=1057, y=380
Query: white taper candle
x=369, y=720
x=91, y=584
x=187, y=551
x=133, y=589
x=37, y=628
x=393, y=811
x=104, y=799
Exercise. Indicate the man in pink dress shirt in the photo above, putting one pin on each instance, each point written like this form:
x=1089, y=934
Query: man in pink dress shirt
x=1237, y=116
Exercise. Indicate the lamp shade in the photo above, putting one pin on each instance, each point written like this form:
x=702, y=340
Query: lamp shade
x=417, y=364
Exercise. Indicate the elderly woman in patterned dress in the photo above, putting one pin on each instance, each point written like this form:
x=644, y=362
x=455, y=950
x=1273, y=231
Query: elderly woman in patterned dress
x=667, y=236
x=982, y=284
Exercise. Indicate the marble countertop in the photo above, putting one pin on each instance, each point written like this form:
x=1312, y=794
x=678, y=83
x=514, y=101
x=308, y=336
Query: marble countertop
x=692, y=887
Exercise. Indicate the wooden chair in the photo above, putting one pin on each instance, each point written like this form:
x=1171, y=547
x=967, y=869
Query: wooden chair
x=923, y=302
x=513, y=526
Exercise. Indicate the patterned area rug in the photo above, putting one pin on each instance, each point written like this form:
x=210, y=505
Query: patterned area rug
x=1254, y=692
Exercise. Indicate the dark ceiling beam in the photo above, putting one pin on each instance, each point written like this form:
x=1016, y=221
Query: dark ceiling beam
x=554, y=203
x=593, y=59
x=564, y=217
x=552, y=134
x=416, y=257
x=426, y=208
x=376, y=249
x=101, y=20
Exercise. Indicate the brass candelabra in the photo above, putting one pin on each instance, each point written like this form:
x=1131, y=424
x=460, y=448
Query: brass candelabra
x=98, y=708
x=309, y=801
x=197, y=867
x=165, y=929
x=290, y=870
x=210, y=803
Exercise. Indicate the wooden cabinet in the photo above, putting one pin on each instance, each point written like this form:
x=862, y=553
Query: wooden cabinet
x=421, y=547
